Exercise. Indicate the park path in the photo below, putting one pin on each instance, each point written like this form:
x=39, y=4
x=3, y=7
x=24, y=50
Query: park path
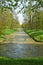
x=20, y=37
x=20, y=45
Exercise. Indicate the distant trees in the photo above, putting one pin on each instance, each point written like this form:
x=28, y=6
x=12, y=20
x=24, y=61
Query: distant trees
x=7, y=20
x=41, y=20
x=35, y=15
x=36, y=23
x=30, y=7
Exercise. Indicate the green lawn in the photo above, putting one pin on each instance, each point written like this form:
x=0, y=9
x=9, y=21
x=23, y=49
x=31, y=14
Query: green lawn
x=1, y=38
x=36, y=35
x=11, y=61
x=6, y=32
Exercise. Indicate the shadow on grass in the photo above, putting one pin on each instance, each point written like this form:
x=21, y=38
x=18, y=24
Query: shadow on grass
x=35, y=35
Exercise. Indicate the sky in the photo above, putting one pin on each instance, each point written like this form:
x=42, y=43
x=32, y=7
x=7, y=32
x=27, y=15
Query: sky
x=20, y=18
x=19, y=15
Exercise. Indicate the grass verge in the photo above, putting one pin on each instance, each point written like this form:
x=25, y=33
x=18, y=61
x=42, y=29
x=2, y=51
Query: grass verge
x=30, y=61
x=36, y=35
x=6, y=32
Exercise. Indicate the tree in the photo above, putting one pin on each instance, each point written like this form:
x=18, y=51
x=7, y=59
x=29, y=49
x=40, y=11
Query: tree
x=7, y=20
x=33, y=11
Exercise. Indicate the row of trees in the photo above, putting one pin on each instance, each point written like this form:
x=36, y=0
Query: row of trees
x=7, y=20
x=31, y=8
x=36, y=23
x=34, y=16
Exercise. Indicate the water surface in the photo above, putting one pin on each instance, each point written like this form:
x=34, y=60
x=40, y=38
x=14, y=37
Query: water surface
x=21, y=50
x=20, y=45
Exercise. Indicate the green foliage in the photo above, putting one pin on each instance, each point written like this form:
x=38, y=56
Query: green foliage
x=34, y=18
x=3, y=3
x=7, y=20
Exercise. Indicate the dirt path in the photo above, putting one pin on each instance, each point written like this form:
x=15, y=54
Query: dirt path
x=19, y=37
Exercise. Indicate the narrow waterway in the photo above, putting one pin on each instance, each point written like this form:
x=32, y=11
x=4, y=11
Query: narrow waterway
x=20, y=45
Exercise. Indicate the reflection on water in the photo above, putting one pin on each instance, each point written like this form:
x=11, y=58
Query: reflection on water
x=21, y=50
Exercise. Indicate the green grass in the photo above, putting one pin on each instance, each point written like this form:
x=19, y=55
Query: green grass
x=36, y=35
x=15, y=61
x=6, y=32
x=1, y=38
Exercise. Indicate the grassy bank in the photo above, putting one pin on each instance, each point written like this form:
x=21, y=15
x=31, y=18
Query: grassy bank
x=36, y=35
x=11, y=61
x=6, y=32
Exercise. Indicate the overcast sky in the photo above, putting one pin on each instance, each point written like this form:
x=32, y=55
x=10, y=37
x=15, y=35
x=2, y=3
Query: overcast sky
x=20, y=15
x=20, y=18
